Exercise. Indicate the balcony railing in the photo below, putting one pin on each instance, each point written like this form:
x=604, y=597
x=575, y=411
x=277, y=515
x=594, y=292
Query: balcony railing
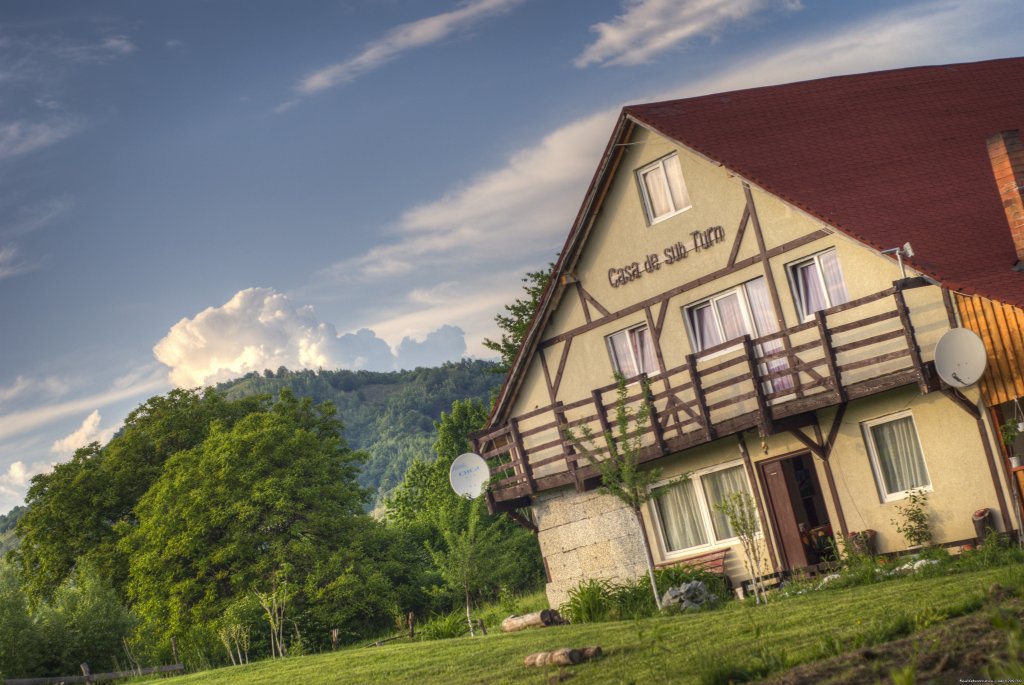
x=853, y=350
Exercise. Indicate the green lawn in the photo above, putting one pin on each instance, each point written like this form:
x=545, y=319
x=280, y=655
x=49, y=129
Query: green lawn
x=675, y=649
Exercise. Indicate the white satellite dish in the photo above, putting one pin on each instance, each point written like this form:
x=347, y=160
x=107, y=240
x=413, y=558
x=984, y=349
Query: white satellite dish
x=468, y=475
x=960, y=357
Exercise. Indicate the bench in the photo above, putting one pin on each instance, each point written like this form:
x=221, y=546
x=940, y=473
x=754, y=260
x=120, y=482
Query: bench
x=712, y=562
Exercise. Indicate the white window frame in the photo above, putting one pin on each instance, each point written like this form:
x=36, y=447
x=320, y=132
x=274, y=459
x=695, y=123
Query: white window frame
x=876, y=466
x=705, y=513
x=797, y=285
x=748, y=318
x=648, y=208
x=630, y=334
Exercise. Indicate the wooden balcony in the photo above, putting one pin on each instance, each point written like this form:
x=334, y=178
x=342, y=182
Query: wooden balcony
x=850, y=351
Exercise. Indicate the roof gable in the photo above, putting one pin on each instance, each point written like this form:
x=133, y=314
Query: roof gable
x=886, y=158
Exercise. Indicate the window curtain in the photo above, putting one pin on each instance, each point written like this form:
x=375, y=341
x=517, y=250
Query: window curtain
x=623, y=356
x=680, y=517
x=705, y=328
x=717, y=486
x=676, y=184
x=643, y=347
x=812, y=297
x=833, y=275
x=654, y=183
x=899, y=455
x=765, y=322
x=730, y=314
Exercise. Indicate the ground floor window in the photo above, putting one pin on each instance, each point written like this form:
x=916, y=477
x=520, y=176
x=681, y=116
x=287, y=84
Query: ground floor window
x=685, y=512
x=896, y=456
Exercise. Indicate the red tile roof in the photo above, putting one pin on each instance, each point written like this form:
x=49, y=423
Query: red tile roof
x=885, y=157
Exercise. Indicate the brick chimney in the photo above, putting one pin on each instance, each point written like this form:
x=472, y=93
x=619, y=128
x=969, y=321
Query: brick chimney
x=1006, y=152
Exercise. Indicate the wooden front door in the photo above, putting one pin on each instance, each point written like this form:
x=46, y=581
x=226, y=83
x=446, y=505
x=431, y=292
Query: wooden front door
x=779, y=488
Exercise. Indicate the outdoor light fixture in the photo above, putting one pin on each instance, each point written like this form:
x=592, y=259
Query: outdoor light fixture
x=901, y=252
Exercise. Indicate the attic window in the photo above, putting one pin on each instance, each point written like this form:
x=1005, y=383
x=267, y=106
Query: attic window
x=663, y=189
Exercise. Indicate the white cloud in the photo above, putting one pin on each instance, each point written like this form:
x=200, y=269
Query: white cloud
x=260, y=328
x=15, y=480
x=416, y=34
x=33, y=217
x=20, y=422
x=21, y=137
x=11, y=264
x=49, y=387
x=102, y=52
x=88, y=432
x=649, y=27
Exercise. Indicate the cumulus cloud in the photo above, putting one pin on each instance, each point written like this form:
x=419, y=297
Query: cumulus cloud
x=416, y=34
x=15, y=480
x=260, y=328
x=21, y=137
x=88, y=432
x=649, y=27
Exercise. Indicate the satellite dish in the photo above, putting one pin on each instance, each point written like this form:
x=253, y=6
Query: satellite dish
x=468, y=475
x=960, y=357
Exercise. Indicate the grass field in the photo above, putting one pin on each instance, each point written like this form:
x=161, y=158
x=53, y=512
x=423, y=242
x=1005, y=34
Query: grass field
x=694, y=648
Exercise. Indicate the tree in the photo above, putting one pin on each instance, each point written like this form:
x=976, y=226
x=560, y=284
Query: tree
x=621, y=475
x=18, y=634
x=740, y=509
x=467, y=560
x=520, y=315
x=273, y=494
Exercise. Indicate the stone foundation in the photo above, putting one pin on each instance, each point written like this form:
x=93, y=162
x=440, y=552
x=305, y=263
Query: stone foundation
x=586, y=535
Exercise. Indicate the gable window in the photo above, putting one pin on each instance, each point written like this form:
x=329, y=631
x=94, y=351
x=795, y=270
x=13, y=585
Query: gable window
x=896, y=456
x=632, y=352
x=743, y=310
x=817, y=283
x=663, y=188
x=685, y=512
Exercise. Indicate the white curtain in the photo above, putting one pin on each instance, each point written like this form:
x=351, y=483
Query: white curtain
x=676, y=184
x=833, y=275
x=765, y=321
x=705, y=327
x=812, y=298
x=717, y=486
x=654, y=182
x=899, y=455
x=623, y=356
x=643, y=348
x=680, y=517
x=730, y=314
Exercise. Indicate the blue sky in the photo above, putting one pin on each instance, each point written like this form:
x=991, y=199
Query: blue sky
x=195, y=189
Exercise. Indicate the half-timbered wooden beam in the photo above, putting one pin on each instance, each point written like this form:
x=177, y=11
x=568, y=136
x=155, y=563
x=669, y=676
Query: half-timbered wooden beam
x=771, y=540
x=829, y=478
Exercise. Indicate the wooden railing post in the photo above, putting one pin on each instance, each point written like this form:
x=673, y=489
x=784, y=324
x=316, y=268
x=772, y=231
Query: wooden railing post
x=567, y=447
x=602, y=418
x=524, y=462
x=830, y=356
x=764, y=417
x=652, y=415
x=908, y=328
x=698, y=392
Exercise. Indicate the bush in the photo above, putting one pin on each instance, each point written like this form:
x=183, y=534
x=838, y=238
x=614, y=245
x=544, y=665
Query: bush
x=589, y=602
x=17, y=630
x=444, y=627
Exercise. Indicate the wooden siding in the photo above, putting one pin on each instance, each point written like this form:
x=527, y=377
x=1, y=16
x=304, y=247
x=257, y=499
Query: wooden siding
x=1001, y=327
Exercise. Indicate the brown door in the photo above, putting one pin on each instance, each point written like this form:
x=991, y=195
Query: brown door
x=779, y=488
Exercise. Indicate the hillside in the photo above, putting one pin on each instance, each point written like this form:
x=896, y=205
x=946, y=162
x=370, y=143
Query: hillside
x=7, y=522
x=388, y=415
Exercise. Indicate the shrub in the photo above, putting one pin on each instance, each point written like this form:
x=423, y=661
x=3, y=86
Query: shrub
x=913, y=522
x=589, y=602
x=444, y=627
x=632, y=601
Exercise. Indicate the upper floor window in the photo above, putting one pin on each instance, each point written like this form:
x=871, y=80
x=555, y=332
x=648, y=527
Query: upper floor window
x=896, y=455
x=743, y=310
x=663, y=188
x=685, y=512
x=817, y=283
x=632, y=352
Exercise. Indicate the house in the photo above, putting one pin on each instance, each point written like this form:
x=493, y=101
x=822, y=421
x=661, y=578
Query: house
x=737, y=251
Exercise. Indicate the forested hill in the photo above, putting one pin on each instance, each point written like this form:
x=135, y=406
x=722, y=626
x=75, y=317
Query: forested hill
x=390, y=415
x=7, y=523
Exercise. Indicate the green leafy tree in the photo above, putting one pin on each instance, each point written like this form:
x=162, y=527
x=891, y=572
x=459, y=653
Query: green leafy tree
x=19, y=637
x=467, y=559
x=515, y=323
x=741, y=510
x=621, y=475
x=272, y=494
x=76, y=511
